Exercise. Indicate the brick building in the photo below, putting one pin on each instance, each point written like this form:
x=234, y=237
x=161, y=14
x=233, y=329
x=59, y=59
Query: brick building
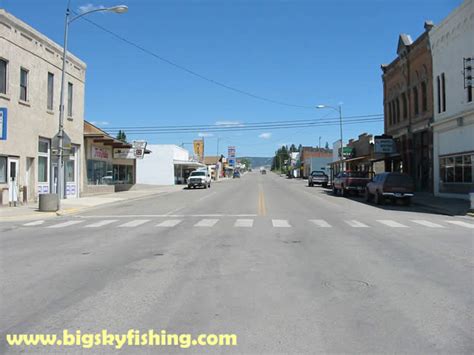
x=408, y=108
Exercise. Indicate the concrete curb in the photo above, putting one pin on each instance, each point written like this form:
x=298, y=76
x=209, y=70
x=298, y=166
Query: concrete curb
x=75, y=210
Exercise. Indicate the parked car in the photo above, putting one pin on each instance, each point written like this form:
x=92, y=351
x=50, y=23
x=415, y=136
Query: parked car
x=318, y=178
x=393, y=186
x=350, y=182
x=236, y=174
x=199, y=178
x=263, y=171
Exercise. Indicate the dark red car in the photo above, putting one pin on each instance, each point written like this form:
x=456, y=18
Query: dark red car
x=350, y=182
x=393, y=186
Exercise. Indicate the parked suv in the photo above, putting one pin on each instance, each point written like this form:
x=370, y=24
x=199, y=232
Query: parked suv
x=200, y=178
x=318, y=178
x=350, y=181
x=395, y=186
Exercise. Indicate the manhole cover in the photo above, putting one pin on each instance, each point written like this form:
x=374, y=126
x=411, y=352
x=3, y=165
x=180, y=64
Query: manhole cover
x=347, y=285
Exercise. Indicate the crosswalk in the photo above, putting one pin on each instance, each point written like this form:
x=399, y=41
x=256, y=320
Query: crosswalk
x=247, y=223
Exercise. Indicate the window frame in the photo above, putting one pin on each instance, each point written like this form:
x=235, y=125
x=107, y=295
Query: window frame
x=443, y=84
x=416, y=106
x=70, y=102
x=5, y=159
x=5, y=79
x=50, y=92
x=24, y=86
x=424, y=96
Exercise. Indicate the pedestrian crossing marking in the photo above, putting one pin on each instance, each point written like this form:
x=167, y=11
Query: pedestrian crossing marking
x=169, y=223
x=320, y=223
x=134, y=223
x=356, y=224
x=207, y=222
x=391, y=223
x=427, y=223
x=281, y=223
x=462, y=224
x=35, y=223
x=244, y=223
x=101, y=223
x=65, y=224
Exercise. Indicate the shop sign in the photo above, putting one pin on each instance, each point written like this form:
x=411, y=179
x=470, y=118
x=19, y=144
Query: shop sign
x=231, y=155
x=138, y=148
x=198, y=145
x=120, y=153
x=3, y=124
x=99, y=153
x=384, y=145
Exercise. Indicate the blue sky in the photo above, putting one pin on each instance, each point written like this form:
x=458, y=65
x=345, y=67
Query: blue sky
x=304, y=52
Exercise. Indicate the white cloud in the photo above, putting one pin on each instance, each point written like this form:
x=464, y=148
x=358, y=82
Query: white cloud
x=100, y=123
x=265, y=135
x=203, y=134
x=90, y=7
x=228, y=123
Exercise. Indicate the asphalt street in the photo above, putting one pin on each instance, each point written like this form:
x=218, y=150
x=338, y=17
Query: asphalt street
x=285, y=267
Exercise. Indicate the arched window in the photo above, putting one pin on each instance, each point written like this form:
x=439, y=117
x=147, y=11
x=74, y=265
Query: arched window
x=405, y=106
x=424, y=97
x=415, y=101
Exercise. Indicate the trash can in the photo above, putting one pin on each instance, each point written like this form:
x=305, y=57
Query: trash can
x=48, y=202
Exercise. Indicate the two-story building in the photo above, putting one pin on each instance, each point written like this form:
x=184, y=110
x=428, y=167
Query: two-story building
x=30, y=79
x=452, y=46
x=408, y=108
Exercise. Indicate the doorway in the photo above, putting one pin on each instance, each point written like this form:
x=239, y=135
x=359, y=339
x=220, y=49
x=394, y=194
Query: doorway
x=13, y=184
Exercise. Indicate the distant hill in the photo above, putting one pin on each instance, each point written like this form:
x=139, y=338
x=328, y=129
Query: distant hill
x=258, y=161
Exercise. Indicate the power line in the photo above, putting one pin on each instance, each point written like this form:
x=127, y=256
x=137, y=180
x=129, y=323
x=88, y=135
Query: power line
x=237, y=129
x=189, y=71
x=264, y=124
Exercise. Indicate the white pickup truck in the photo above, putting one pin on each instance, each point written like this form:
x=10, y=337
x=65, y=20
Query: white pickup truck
x=199, y=178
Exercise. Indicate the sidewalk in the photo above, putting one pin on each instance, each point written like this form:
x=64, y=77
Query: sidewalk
x=449, y=206
x=77, y=205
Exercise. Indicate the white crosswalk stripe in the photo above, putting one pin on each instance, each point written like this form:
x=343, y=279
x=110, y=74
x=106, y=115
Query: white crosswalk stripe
x=207, y=222
x=134, y=223
x=462, y=224
x=427, y=223
x=281, y=223
x=35, y=223
x=391, y=223
x=169, y=223
x=356, y=224
x=244, y=223
x=320, y=223
x=101, y=223
x=65, y=224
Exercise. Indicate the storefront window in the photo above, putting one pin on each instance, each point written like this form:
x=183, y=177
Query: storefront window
x=99, y=172
x=123, y=174
x=42, y=169
x=3, y=170
x=456, y=169
x=43, y=146
x=70, y=176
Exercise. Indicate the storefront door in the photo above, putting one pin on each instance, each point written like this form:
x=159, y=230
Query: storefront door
x=13, y=186
x=43, y=166
x=71, y=167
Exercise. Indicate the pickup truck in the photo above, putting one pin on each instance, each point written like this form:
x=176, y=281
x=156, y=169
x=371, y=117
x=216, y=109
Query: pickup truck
x=199, y=178
x=350, y=182
x=318, y=178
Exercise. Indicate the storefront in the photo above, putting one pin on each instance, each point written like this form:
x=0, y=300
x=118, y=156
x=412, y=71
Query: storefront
x=109, y=165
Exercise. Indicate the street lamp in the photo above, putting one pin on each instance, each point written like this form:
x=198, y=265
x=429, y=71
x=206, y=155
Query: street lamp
x=338, y=109
x=119, y=9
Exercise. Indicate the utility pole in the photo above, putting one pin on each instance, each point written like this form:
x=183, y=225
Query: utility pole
x=319, y=145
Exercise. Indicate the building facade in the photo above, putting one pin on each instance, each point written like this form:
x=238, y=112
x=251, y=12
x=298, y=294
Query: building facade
x=109, y=164
x=306, y=153
x=408, y=108
x=167, y=164
x=452, y=45
x=30, y=79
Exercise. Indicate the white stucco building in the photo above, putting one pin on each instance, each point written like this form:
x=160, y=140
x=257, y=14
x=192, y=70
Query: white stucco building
x=167, y=164
x=452, y=46
x=30, y=78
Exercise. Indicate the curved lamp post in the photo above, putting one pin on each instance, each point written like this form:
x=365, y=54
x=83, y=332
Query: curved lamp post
x=120, y=9
x=338, y=109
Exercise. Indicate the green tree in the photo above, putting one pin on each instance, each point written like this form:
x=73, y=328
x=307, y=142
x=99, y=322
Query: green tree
x=121, y=136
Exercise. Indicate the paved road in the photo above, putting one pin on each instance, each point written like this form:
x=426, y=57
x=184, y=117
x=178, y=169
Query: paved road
x=288, y=268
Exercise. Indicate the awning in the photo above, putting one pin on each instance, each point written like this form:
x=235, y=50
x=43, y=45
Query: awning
x=357, y=158
x=188, y=163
